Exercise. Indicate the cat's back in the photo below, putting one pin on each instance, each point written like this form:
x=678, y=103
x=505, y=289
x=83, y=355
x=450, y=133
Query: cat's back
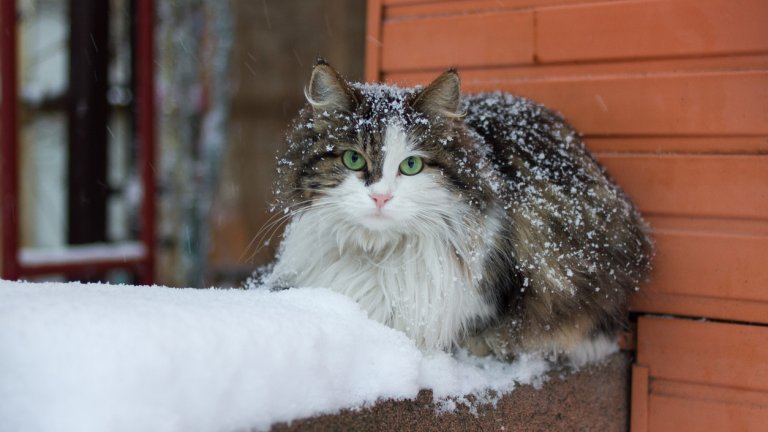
x=504, y=116
x=564, y=212
x=525, y=137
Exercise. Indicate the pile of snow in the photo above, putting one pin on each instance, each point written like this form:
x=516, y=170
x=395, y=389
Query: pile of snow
x=96, y=357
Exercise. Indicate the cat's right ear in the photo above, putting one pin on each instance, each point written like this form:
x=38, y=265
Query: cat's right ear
x=328, y=91
x=442, y=97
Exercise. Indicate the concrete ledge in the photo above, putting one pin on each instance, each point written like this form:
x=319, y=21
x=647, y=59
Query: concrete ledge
x=595, y=398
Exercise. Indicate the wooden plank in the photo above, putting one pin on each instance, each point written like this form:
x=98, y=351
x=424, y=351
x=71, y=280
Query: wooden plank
x=695, y=104
x=638, y=415
x=682, y=414
x=447, y=4
x=702, y=375
x=727, y=103
x=406, y=2
x=589, y=71
x=697, y=306
x=646, y=144
x=709, y=353
x=710, y=265
x=469, y=40
x=710, y=393
x=707, y=268
x=709, y=225
x=398, y=9
x=651, y=29
x=373, y=41
x=689, y=184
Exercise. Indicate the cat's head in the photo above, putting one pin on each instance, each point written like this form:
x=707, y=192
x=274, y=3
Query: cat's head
x=381, y=158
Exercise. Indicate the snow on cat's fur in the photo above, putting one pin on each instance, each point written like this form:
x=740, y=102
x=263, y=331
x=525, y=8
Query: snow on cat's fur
x=482, y=222
x=399, y=262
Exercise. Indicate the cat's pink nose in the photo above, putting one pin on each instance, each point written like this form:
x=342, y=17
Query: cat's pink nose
x=381, y=199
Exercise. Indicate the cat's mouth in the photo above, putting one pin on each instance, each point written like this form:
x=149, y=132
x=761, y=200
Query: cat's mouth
x=378, y=219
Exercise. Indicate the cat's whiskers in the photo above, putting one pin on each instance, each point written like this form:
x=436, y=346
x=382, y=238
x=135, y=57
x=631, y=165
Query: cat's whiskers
x=271, y=226
x=450, y=242
x=264, y=226
x=261, y=240
x=454, y=228
x=463, y=234
x=457, y=225
x=396, y=264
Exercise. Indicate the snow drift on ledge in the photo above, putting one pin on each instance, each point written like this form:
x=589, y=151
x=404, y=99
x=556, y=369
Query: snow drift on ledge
x=96, y=357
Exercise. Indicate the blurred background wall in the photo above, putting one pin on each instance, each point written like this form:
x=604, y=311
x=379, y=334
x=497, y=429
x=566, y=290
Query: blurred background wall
x=229, y=78
x=276, y=45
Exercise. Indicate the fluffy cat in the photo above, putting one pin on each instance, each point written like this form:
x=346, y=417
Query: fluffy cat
x=480, y=221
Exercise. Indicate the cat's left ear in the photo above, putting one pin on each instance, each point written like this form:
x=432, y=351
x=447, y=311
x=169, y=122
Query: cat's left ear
x=441, y=97
x=328, y=91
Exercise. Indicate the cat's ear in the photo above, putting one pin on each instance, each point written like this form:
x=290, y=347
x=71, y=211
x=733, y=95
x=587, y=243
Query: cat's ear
x=327, y=90
x=441, y=97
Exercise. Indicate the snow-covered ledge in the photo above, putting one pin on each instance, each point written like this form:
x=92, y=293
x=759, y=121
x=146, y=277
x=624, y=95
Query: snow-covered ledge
x=595, y=398
x=77, y=357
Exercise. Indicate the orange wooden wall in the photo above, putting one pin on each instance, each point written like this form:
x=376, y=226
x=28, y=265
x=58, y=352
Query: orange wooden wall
x=672, y=96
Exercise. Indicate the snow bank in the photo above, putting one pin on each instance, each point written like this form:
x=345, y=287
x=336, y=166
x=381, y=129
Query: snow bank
x=96, y=357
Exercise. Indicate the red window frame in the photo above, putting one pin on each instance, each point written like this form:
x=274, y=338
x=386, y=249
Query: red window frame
x=10, y=267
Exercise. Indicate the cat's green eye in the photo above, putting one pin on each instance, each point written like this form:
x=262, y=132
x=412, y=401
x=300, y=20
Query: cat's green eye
x=411, y=165
x=353, y=160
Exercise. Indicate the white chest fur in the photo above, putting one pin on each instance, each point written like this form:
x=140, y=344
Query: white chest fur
x=414, y=283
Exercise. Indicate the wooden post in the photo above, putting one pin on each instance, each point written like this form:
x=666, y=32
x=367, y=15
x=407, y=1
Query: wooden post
x=145, y=89
x=9, y=180
x=88, y=113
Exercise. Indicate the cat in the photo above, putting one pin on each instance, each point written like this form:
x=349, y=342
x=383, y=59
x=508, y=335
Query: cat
x=479, y=222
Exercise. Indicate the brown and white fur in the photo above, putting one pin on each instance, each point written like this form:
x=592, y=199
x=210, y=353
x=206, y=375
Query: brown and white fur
x=511, y=239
